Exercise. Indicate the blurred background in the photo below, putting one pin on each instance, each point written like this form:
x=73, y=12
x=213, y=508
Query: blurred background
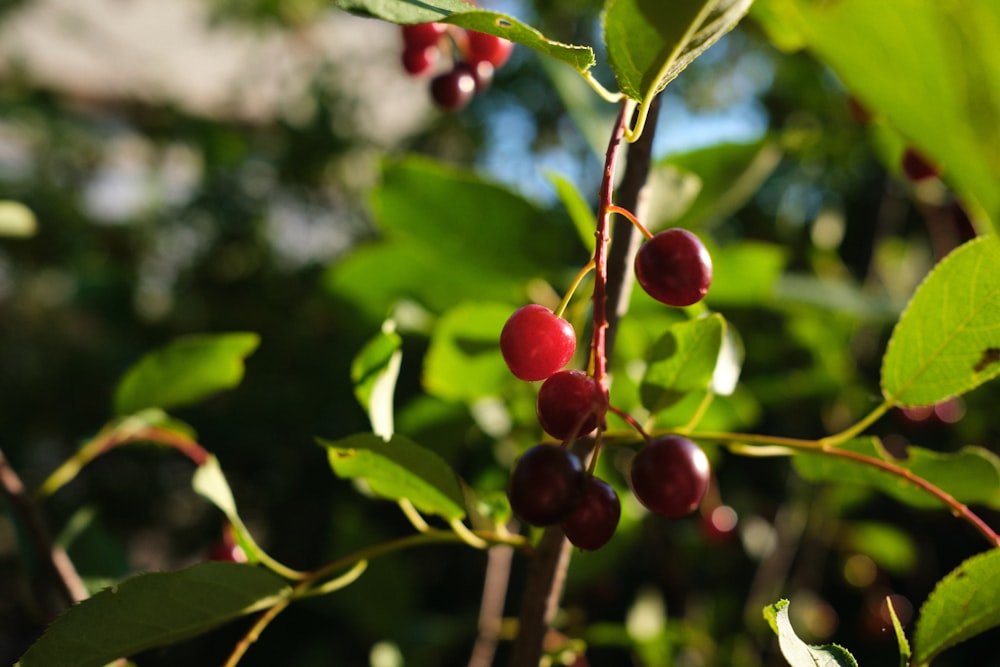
x=207, y=166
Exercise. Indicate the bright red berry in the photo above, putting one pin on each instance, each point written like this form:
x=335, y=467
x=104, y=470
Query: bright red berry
x=595, y=519
x=452, y=90
x=567, y=404
x=481, y=46
x=670, y=475
x=674, y=268
x=421, y=35
x=420, y=61
x=547, y=483
x=535, y=343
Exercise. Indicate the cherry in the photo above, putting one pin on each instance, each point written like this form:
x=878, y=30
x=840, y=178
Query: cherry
x=535, y=343
x=669, y=476
x=567, y=404
x=481, y=71
x=916, y=167
x=674, y=268
x=595, y=519
x=420, y=61
x=418, y=36
x=481, y=46
x=547, y=483
x=452, y=90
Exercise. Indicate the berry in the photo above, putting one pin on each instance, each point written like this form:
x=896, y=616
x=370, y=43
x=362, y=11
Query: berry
x=418, y=36
x=481, y=71
x=418, y=62
x=535, y=343
x=595, y=519
x=453, y=89
x=674, y=268
x=481, y=46
x=547, y=483
x=916, y=167
x=567, y=403
x=670, y=476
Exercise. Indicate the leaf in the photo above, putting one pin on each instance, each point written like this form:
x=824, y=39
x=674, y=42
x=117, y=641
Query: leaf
x=650, y=41
x=185, y=371
x=904, y=645
x=970, y=475
x=796, y=651
x=469, y=16
x=16, y=220
x=374, y=372
x=947, y=341
x=962, y=605
x=464, y=361
x=681, y=361
x=745, y=272
x=937, y=82
x=578, y=208
x=399, y=469
x=210, y=483
x=154, y=609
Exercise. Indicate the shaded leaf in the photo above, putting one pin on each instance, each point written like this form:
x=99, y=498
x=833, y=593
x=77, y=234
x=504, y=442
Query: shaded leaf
x=947, y=341
x=962, y=605
x=463, y=361
x=796, y=651
x=970, y=475
x=374, y=372
x=399, y=469
x=681, y=361
x=185, y=371
x=154, y=609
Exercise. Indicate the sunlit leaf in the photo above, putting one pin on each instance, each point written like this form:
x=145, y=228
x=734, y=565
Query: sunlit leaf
x=948, y=339
x=682, y=360
x=185, y=371
x=464, y=360
x=154, y=609
x=16, y=220
x=399, y=470
x=745, y=273
x=210, y=483
x=374, y=372
x=579, y=209
x=796, y=651
x=962, y=605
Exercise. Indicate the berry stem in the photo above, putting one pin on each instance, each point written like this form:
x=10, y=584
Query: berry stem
x=630, y=420
x=572, y=288
x=634, y=220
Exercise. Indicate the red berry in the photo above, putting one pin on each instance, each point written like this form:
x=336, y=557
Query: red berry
x=547, y=483
x=674, y=268
x=567, y=404
x=481, y=71
x=481, y=46
x=535, y=343
x=670, y=475
x=453, y=90
x=595, y=519
x=418, y=62
x=916, y=167
x=418, y=36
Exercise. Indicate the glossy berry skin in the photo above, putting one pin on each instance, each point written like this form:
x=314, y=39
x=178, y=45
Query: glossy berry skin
x=535, y=343
x=595, y=519
x=481, y=46
x=566, y=405
x=421, y=61
x=547, y=483
x=452, y=90
x=670, y=475
x=419, y=36
x=916, y=167
x=674, y=268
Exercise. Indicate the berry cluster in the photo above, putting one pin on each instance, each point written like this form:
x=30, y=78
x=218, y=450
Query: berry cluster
x=472, y=57
x=549, y=484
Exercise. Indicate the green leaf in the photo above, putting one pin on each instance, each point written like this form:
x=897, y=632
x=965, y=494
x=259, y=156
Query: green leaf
x=681, y=361
x=580, y=211
x=399, y=469
x=936, y=80
x=464, y=361
x=904, y=645
x=962, y=605
x=970, y=475
x=650, y=41
x=892, y=548
x=374, y=372
x=185, y=371
x=947, y=341
x=467, y=15
x=154, y=609
x=745, y=272
x=796, y=651
x=16, y=220
x=210, y=483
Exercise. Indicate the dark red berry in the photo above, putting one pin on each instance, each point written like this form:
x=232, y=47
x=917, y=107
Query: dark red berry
x=418, y=62
x=418, y=36
x=547, y=483
x=595, y=519
x=481, y=46
x=453, y=89
x=670, y=475
x=674, y=268
x=567, y=404
x=535, y=343
x=481, y=71
x=227, y=548
x=916, y=167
